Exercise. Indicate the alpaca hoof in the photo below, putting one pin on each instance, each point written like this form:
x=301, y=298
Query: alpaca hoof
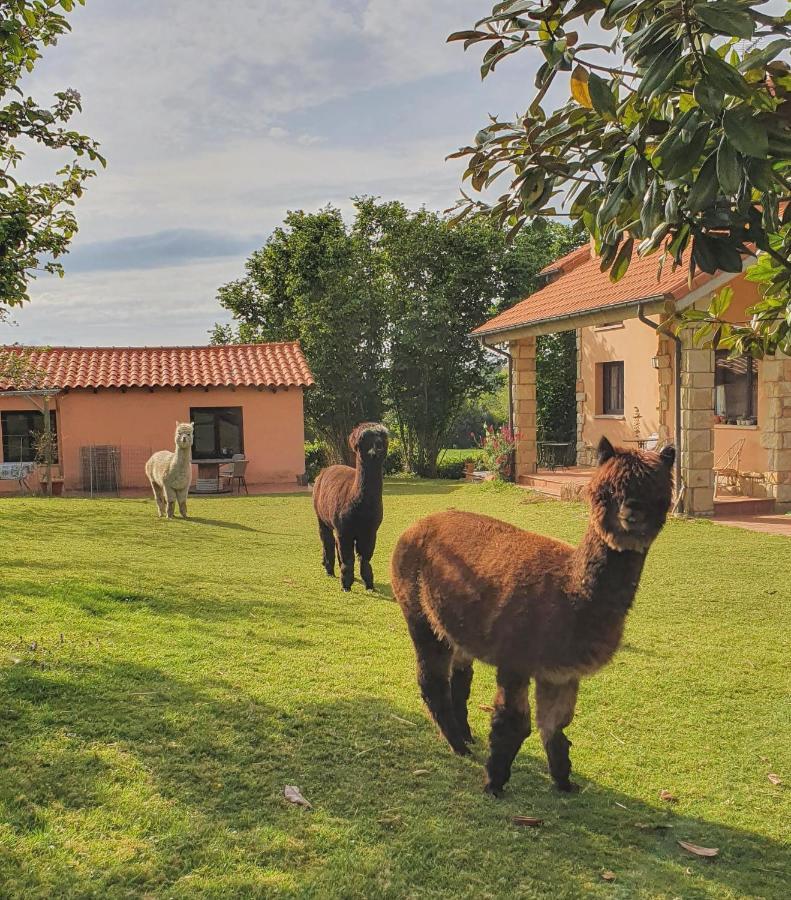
x=370, y=587
x=461, y=750
x=567, y=787
x=491, y=791
x=346, y=590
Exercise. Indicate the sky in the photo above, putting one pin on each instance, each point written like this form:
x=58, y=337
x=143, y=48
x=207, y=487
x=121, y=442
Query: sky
x=218, y=118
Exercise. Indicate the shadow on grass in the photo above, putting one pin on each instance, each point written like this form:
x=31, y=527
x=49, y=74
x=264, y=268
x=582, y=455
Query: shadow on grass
x=223, y=758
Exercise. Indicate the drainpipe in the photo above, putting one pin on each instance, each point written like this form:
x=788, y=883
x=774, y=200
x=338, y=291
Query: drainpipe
x=677, y=393
x=506, y=355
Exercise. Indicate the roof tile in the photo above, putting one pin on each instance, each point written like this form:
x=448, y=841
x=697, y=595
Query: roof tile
x=227, y=365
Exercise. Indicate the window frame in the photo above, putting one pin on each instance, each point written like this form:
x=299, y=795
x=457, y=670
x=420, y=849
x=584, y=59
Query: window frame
x=607, y=368
x=28, y=413
x=751, y=375
x=217, y=447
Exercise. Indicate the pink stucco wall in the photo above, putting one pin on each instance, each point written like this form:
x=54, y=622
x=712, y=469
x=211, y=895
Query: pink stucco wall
x=635, y=344
x=140, y=422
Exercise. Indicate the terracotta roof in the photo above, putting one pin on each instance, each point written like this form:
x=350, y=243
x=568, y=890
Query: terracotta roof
x=228, y=365
x=581, y=287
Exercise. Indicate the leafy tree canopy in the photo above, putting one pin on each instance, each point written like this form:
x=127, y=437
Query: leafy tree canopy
x=36, y=220
x=679, y=147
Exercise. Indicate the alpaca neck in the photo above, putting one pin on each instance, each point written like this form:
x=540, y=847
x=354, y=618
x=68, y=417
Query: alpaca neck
x=182, y=457
x=369, y=477
x=604, y=578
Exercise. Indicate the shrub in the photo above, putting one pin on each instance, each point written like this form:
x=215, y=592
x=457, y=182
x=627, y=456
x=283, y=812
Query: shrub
x=395, y=462
x=316, y=458
x=452, y=469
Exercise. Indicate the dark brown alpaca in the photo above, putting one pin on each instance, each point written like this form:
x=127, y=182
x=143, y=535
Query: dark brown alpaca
x=473, y=587
x=348, y=504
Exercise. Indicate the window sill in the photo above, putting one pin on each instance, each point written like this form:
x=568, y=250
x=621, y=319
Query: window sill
x=611, y=327
x=721, y=426
x=609, y=416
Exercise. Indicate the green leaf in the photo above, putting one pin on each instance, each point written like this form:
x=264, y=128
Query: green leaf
x=725, y=77
x=602, y=97
x=720, y=302
x=709, y=97
x=745, y=132
x=706, y=187
x=726, y=19
x=757, y=59
x=622, y=261
x=729, y=170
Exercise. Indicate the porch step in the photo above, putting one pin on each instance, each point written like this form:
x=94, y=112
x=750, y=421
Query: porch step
x=541, y=485
x=555, y=483
x=743, y=506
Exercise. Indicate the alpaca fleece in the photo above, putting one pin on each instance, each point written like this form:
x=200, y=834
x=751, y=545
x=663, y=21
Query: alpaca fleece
x=473, y=587
x=170, y=474
x=348, y=505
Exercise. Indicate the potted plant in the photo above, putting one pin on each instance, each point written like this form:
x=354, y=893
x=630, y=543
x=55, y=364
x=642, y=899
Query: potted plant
x=499, y=450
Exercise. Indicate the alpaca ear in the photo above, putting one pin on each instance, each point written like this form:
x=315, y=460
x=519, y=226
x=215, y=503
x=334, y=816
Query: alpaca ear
x=353, y=440
x=605, y=451
x=668, y=456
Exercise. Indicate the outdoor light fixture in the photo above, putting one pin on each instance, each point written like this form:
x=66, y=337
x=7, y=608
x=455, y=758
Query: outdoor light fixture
x=655, y=362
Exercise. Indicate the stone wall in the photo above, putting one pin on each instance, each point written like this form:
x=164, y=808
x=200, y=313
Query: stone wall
x=776, y=427
x=523, y=352
x=697, y=414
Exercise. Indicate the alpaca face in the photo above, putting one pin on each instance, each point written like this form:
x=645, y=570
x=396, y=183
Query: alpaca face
x=631, y=494
x=184, y=433
x=370, y=440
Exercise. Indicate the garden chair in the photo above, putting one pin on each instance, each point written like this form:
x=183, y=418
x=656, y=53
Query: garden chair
x=726, y=466
x=235, y=473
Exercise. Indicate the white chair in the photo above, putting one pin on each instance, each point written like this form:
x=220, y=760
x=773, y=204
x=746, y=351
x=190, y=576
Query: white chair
x=235, y=473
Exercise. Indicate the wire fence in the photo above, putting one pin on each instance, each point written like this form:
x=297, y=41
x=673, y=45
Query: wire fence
x=108, y=469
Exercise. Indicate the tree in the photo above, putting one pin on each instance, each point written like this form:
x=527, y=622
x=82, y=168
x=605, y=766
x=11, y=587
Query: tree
x=36, y=220
x=680, y=147
x=310, y=283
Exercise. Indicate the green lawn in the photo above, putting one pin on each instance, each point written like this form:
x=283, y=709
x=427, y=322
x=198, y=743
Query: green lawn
x=162, y=681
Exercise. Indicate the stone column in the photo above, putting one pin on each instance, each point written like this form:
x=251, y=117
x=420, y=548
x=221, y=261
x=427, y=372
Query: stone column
x=776, y=427
x=697, y=416
x=582, y=451
x=664, y=375
x=524, y=398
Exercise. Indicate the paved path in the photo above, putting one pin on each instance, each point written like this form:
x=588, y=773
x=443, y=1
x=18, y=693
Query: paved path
x=767, y=524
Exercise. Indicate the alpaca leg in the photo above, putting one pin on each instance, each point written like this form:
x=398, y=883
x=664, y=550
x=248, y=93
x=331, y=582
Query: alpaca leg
x=433, y=675
x=554, y=711
x=171, y=501
x=365, y=550
x=460, y=682
x=159, y=496
x=510, y=726
x=328, y=543
x=346, y=557
x=182, y=498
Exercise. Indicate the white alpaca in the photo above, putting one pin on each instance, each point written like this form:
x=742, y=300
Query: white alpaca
x=170, y=474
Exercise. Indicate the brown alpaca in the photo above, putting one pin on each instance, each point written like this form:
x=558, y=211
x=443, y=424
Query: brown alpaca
x=348, y=504
x=473, y=587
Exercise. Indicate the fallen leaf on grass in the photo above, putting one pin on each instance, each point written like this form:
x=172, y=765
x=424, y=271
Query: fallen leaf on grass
x=775, y=779
x=485, y=707
x=651, y=826
x=705, y=852
x=527, y=821
x=607, y=875
x=621, y=805
x=293, y=794
x=399, y=719
x=668, y=797
x=421, y=772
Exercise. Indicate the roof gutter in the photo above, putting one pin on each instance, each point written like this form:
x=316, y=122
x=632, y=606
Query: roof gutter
x=37, y=393
x=657, y=298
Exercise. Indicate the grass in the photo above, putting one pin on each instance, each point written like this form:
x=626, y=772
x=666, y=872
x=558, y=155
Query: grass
x=162, y=681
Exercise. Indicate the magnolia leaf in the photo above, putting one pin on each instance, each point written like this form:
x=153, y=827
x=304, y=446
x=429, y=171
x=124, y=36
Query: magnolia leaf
x=729, y=171
x=704, y=191
x=720, y=302
x=293, y=794
x=745, y=132
x=775, y=779
x=724, y=20
x=622, y=261
x=668, y=797
x=602, y=97
x=579, y=87
x=705, y=852
x=709, y=97
x=608, y=875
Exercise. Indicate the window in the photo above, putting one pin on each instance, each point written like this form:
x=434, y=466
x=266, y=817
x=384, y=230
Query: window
x=218, y=432
x=19, y=435
x=735, y=387
x=612, y=389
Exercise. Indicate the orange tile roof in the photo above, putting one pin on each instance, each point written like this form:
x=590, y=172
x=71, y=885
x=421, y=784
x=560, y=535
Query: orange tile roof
x=581, y=287
x=228, y=365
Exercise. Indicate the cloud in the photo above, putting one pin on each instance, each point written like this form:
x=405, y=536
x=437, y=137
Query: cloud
x=161, y=249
